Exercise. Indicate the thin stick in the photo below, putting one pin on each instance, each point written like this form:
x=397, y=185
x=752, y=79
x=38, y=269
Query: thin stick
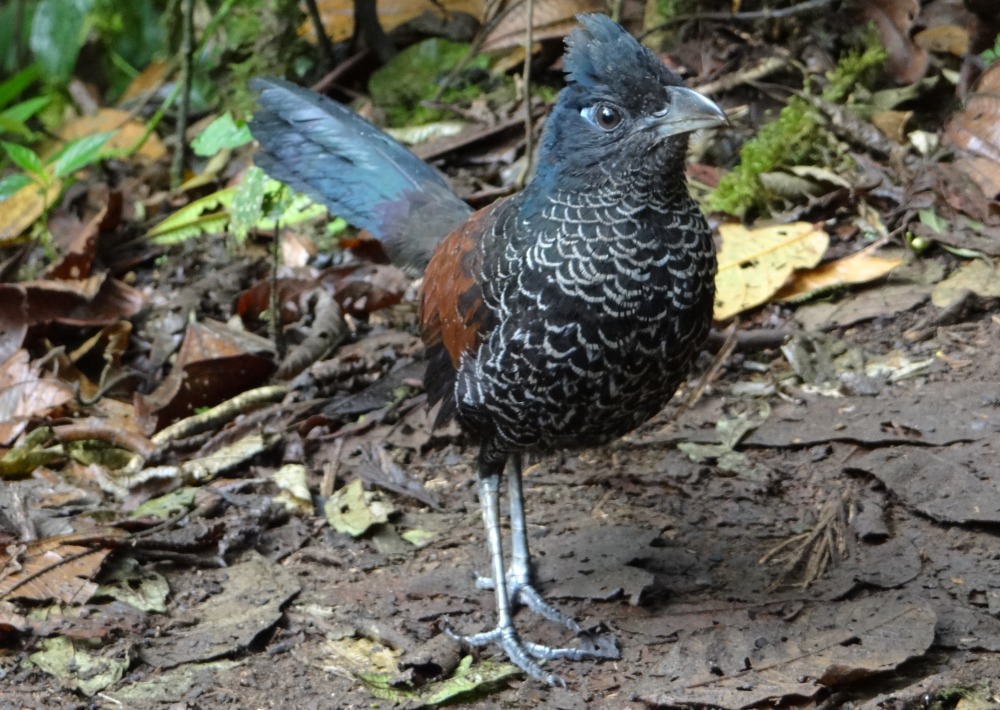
x=529, y=141
x=322, y=38
x=187, y=77
x=775, y=14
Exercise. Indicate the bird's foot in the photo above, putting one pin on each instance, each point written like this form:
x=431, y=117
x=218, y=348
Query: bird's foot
x=520, y=590
x=526, y=655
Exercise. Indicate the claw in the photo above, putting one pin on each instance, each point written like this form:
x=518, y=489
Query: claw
x=526, y=595
x=514, y=585
x=525, y=654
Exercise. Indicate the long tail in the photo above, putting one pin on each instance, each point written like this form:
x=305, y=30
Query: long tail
x=333, y=155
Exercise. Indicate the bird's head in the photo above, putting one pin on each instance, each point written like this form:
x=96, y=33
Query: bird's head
x=622, y=109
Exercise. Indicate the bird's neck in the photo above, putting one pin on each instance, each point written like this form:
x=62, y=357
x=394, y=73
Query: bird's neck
x=657, y=177
x=659, y=183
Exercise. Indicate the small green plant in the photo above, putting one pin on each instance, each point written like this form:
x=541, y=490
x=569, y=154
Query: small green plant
x=991, y=55
x=783, y=141
x=73, y=156
x=413, y=76
x=792, y=137
x=14, y=117
x=257, y=202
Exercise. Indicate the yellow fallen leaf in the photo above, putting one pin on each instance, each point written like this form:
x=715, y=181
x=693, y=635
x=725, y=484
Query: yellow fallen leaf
x=338, y=15
x=20, y=210
x=127, y=129
x=976, y=276
x=755, y=263
x=858, y=268
x=944, y=39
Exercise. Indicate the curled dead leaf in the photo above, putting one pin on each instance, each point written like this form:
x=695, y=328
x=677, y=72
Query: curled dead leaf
x=755, y=263
x=858, y=268
x=975, y=133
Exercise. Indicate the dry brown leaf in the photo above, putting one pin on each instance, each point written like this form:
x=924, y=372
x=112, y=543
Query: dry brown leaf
x=128, y=131
x=13, y=324
x=55, y=568
x=975, y=133
x=893, y=124
x=858, y=268
x=25, y=393
x=744, y=664
x=944, y=39
x=338, y=15
x=552, y=19
x=214, y=364
x=20, y=210
x=894, y=19
x=97, y=300
x=150, y=79
x=977, y=276
x=755, y=264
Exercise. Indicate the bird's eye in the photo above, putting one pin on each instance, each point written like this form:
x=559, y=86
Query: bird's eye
x=603, y=115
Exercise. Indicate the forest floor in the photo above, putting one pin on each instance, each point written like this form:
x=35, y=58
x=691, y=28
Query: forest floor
x=844, y=554
x=200, y=509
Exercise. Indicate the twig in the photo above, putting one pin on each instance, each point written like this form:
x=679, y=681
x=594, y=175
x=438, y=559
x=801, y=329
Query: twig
x=529, y=143
x=149, y=95
x=491, y=16
x=18, y=40
x=186, y=79
x=617, y=7
x=322, y=38
x=330, y=469
x=274, y=303
x=366, y=23
x=747, y=340
x=754, y=72
x=717, y=362
x=775, y=14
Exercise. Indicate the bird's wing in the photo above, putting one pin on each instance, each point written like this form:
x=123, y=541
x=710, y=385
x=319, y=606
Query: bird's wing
x=327, y=151
x=452, y=311
x=454, y=315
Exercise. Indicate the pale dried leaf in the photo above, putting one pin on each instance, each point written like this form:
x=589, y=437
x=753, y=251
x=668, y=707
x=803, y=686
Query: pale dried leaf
x=975, y=134
x=976, y=276
x=738, y=665
x=858, y=268
x=338, y=15
x=25, y=393
x=944, y=39
x=20, y=210
x=128, y=130
x=755, y=264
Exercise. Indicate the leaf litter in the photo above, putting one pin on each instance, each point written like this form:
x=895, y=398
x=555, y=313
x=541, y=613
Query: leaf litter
x=849, y=559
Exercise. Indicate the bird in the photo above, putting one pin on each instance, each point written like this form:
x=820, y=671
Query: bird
x=558, y=318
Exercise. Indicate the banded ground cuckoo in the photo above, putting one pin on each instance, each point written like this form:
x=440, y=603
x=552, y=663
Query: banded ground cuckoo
x=561, y=317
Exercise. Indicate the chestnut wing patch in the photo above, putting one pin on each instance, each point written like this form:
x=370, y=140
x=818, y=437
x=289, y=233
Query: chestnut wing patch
x=452, y=311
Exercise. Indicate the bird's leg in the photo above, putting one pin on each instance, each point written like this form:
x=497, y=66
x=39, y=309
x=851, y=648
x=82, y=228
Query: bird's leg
x=519, y=574
x=524, y=654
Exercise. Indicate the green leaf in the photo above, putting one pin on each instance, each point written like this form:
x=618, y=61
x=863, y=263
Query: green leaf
x=190, y=221
x=25, y=158
x=12, y=183
x=15, y=86
x=220, y=134
x=248, y=203
x=58, y=31
x=933, y=220
x=79, y=153
x=285, y=208
x=26, y=109
x=18, y=128
x=352, y=510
